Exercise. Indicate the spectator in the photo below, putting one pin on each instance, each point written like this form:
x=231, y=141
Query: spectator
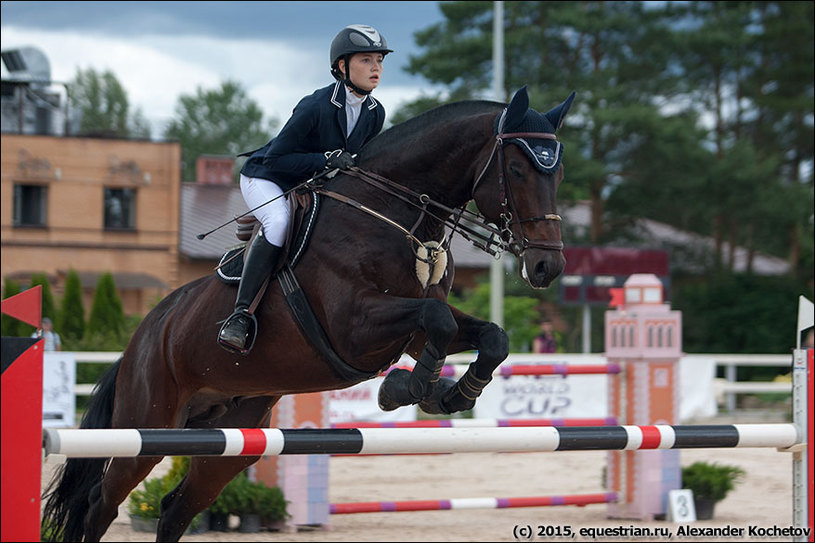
x=52, y=339
x=545, y=342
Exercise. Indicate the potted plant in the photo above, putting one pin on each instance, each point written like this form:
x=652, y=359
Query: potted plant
x=224, y=505
x=273, y=506
x=248, y=504
x=144, y=505
x=710, y=483
x=255, y=503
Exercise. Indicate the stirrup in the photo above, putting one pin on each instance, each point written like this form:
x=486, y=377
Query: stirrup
x=249, y=334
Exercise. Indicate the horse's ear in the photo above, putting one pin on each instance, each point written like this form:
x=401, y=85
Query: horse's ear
x=556, y=115
x=516, y=109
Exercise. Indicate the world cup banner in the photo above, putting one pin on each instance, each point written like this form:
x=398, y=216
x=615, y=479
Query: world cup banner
x=546, y=396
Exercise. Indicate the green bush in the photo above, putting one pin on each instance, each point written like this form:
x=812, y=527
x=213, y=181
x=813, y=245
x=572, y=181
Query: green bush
x=49, y=309
x=711, y=480
x=240, y=496
x=11, y=327
x=71, y=322
x=257, y=499
x=107, y=317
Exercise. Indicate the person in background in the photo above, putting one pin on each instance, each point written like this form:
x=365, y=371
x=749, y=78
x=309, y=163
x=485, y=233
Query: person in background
x=52, y=339
x=545, y=341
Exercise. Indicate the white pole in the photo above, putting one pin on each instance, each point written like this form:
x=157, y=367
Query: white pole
x=586, y=328
x=496, y=266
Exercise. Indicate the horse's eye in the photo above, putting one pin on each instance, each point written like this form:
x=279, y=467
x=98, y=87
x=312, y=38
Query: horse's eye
x=515, y=170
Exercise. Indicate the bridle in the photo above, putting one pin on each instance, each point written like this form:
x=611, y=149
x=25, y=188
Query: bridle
x=516, y=244
x=496, y=242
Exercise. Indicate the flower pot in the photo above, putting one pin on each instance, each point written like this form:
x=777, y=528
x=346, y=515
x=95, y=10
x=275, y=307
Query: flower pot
x=199, y=524
x=250, y=523
x=219, y=522
x=704, y=508
x=142, y=524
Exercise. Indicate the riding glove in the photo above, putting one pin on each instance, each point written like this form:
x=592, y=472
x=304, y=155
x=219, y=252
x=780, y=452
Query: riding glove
x=339, y=159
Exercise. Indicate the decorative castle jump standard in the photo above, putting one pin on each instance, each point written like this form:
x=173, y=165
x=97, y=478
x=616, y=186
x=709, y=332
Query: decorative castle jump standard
x=264, y=442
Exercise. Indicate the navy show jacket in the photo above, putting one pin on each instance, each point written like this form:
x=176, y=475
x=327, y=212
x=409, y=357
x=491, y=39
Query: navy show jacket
x=318, y=124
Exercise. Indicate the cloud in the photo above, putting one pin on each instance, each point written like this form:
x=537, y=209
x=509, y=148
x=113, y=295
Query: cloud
x=156, y=70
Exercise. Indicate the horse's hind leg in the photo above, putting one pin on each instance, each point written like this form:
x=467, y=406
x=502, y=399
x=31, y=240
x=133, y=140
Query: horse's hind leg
x=121, y=477
x=208, y=475
x=449, y=396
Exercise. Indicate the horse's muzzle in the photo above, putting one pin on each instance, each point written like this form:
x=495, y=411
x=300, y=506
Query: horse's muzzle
x=539, y=267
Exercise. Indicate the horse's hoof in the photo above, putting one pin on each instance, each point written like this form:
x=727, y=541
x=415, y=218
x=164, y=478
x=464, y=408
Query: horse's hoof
x=455, y=401
x=432, y=404
x=393, y=392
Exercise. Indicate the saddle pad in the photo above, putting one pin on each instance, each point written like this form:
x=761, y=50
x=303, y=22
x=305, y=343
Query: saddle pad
x=230, y=266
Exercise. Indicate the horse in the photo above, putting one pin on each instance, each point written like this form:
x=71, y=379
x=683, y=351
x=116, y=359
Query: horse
x=397, y=208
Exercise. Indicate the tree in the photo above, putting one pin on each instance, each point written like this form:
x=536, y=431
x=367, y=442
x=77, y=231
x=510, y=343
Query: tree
x=694, y=113
x=222, y=121
x=49, y=309
x=103, y=106
x=71, y=320
x=10, y=326
x=107, y=317
x=616, y=54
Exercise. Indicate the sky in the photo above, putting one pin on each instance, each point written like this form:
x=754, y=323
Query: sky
x=278, y=51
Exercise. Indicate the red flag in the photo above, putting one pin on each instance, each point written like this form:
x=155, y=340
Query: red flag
x=26, y=306
x=617, y=297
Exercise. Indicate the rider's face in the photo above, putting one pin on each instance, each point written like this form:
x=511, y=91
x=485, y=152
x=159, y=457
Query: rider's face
x=366, y=69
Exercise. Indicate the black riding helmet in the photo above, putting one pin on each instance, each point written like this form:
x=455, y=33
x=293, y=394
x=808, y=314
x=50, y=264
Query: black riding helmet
x=355, y=39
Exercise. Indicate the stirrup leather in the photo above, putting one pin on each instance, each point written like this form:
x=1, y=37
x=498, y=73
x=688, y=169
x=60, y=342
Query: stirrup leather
x=250, y=333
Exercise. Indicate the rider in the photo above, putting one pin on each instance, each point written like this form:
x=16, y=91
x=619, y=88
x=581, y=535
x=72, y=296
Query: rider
x=325, y=131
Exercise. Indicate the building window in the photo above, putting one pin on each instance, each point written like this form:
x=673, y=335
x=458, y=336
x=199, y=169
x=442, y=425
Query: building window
x=30, y=205
x=120, y=209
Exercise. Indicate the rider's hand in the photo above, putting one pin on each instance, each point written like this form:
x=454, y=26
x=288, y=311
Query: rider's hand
x=339, y=159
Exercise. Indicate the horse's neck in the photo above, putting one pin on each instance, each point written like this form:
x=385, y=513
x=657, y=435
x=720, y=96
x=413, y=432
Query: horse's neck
x=442, y=163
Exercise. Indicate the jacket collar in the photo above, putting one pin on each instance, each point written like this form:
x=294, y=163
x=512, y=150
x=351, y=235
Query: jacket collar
x=338, y=97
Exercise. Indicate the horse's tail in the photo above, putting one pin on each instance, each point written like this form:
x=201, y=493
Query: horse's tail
x=67, y=498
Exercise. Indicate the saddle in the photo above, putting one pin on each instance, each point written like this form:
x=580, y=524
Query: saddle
x=303, y=209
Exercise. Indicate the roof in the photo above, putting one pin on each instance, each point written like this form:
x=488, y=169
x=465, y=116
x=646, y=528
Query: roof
x=204, y=207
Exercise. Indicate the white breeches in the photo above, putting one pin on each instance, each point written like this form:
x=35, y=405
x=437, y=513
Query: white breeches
x=274, y=216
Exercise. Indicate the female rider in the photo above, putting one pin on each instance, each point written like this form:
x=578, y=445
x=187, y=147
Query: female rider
x=325, y=131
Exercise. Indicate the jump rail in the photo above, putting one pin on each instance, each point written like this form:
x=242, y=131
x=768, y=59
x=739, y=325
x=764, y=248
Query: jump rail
x=470, y=503
x=106, y=443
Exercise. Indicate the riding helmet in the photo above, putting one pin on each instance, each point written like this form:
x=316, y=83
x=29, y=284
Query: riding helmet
x=356, y=39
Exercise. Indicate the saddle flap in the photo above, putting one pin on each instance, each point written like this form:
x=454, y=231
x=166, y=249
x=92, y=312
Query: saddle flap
x=302, y=210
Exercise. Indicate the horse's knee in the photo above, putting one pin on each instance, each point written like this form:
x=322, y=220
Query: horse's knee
x=438, y=323
x=493, y=343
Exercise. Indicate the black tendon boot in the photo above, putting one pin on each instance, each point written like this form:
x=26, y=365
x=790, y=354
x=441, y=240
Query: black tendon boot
x=237, y=335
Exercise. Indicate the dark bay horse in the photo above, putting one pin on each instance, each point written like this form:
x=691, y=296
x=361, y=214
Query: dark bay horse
x=359, y=274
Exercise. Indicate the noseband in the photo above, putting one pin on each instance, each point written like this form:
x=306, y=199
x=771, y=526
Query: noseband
x=509, y=209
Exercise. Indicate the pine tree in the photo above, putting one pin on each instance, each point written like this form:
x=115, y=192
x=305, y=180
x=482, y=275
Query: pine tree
x=71, y=320
x=107, y=316
x=49, y=308
x=9, y=325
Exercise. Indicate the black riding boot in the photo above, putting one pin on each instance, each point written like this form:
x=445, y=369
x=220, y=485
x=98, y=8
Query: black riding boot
x=237, y=334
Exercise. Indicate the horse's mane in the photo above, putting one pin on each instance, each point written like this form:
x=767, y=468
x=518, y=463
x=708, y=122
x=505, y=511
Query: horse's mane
x=392, y=137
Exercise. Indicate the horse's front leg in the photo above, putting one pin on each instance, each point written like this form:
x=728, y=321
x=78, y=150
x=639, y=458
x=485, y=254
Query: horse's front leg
x=434, y=318
x=449, y=396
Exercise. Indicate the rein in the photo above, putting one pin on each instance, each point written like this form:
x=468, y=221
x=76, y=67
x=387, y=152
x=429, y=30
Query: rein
x=492, y=244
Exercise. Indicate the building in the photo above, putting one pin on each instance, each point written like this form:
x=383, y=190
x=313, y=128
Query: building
x=94, y=206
